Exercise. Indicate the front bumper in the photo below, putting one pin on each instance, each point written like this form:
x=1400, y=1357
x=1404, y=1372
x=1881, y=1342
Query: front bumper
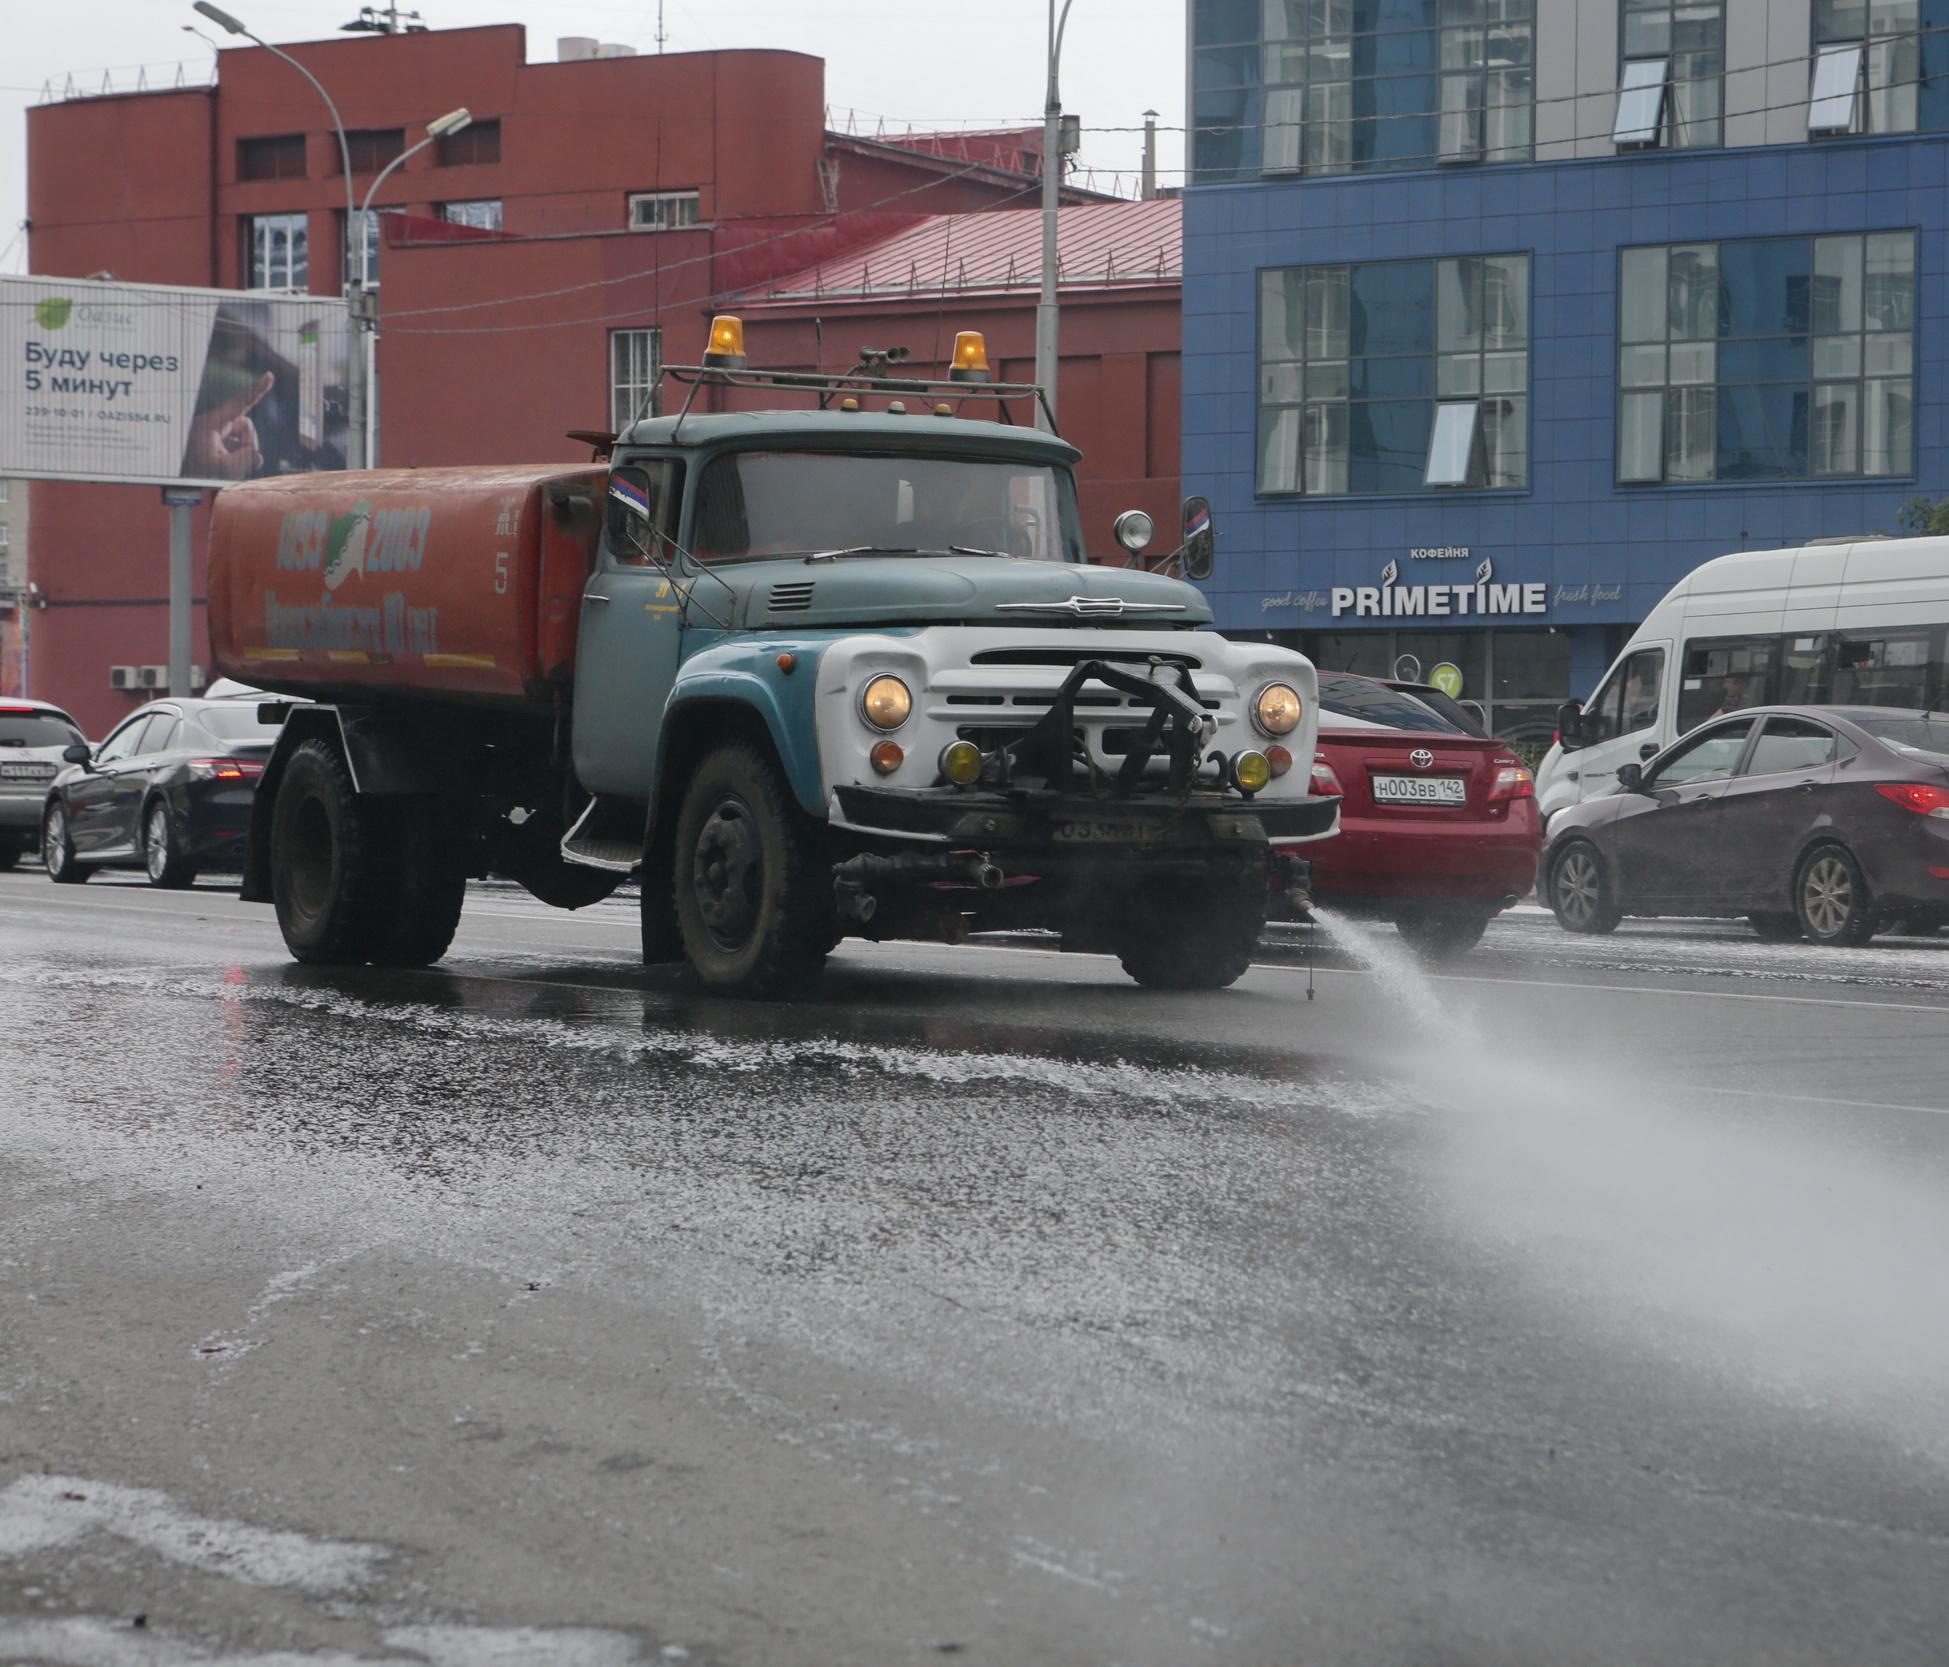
x=1053, y=822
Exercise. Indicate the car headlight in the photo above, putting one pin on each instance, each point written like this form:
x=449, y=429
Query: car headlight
x=886, y=703
x=1277, y=710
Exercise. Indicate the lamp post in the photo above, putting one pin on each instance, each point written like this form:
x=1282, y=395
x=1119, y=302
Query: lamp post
x=1045, y=307
x=365, y=302
x=223, y=20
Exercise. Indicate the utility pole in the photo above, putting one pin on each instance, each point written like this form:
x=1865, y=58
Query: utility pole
x=1053, y=132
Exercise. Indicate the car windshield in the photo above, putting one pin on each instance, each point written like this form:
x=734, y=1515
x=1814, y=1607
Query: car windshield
x=236, y=723
x=37, y=729
x=1376, y=703
x=782, y=504
x=1928, y=734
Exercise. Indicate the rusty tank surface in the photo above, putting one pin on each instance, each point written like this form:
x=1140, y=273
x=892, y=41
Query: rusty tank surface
x=456, y=584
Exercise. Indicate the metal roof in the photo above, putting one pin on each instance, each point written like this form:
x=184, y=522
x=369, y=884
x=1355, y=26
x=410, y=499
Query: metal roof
x=874, y=430
x=1120, y=245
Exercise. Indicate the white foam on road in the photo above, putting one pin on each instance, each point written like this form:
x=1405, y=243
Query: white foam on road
x=90, y=1641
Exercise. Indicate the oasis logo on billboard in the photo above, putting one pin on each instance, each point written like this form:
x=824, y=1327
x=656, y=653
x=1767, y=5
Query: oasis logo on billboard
x=1389, y=600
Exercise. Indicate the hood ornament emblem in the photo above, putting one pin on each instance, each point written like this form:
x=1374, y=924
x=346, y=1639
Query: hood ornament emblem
x=1091, y=607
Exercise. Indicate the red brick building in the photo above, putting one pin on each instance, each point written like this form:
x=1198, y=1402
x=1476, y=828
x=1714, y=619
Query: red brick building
x=534, y=268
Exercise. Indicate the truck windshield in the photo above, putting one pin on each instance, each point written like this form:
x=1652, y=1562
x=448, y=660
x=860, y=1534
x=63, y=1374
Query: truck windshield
x=778, y=504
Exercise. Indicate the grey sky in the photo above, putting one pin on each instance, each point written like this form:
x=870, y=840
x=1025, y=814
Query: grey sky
x=918, y=62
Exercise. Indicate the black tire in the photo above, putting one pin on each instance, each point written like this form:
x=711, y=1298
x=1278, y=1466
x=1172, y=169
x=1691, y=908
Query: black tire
x=57, y=848
x=325, y=879
x=753, y=902
x=1831, y=897
x=1441, y=935
x=1775, y=928
x=418, y=896
x=1194, y=936
x=163, y=858
x=1581, y=894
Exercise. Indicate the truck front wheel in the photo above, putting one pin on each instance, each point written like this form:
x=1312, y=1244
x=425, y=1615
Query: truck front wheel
x=324, y=868
x=1197, y=936
x=751, y=907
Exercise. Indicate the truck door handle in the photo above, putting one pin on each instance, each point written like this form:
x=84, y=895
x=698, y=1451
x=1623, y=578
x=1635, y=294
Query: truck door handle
x=595, y=600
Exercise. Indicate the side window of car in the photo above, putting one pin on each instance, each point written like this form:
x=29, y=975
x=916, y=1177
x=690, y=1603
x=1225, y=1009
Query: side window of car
x=161, y=733
x=1794, y=744
x=123, y=742
x=1708, y=757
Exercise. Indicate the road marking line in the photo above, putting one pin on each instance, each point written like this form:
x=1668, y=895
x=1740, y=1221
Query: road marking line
x=1816, y=1100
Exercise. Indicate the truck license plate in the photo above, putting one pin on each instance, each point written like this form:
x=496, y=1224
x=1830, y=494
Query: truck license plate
x=1421, y=790
x=1107, y=833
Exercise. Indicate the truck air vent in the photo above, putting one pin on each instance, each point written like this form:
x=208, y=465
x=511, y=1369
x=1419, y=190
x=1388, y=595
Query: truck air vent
x=791, y=598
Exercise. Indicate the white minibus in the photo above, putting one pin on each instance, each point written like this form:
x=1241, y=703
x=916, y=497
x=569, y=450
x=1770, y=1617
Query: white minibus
x=1855, y=622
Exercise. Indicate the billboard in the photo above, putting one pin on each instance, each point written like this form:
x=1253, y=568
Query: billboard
x=153, y=385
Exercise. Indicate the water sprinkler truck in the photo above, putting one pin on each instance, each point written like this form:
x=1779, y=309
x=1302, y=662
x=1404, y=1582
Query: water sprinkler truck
x=808, y=673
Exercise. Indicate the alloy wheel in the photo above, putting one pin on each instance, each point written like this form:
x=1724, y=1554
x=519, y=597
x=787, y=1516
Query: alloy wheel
x=155, y=841
x=1827, y=895
x=1577, y=887
x=54, y=840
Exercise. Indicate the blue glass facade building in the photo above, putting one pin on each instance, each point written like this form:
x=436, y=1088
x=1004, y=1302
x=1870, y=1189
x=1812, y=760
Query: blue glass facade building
x=1489, y=413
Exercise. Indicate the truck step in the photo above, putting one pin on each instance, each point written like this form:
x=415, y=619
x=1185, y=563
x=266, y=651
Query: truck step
x=608, y=834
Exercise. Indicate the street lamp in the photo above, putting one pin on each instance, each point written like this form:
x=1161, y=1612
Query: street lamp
x=1045, y=307
x=223, y=20
x=365, y=302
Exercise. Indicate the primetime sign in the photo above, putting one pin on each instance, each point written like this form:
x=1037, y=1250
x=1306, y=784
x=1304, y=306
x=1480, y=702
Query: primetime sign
x=1483, y=599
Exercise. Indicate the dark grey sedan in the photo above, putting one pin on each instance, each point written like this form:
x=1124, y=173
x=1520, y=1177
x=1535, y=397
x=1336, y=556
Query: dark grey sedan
x=1824, y=822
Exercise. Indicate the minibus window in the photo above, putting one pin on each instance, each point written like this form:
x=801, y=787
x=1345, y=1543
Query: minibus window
x=1727, y=675
x=1890, y=668
x=1629, y=702
x=1804, y=672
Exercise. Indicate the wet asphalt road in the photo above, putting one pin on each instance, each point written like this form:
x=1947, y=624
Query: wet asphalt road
x=1586, y=1306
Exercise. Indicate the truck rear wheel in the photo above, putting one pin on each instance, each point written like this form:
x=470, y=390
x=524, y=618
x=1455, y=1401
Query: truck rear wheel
x=1198, y=936
x=751, y=907
x=324, y=859
x=417, y=899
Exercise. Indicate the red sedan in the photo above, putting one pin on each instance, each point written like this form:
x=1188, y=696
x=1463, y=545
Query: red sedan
x=1438, y=825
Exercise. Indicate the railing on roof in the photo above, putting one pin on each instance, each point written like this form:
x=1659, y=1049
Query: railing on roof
x=125, y=78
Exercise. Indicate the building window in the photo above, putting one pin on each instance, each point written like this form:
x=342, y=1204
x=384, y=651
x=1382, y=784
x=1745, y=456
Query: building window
x=275, y=254
x=1880, y=43
x=279, y=156
x=663, y=211
x=1394, y=376
x=483, y=214
x=635, y=359
x=478, y=141
x=372, y=148
x=3, y=535
x=4, y=485
x=1786, y=358
x=1338, y=86
x=1671, y=89
x=362, y=251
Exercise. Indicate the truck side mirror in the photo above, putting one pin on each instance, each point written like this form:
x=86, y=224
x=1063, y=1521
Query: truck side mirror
x=631, y=511
x=1630, y=777
x=1570, y=725
x=1200, y=541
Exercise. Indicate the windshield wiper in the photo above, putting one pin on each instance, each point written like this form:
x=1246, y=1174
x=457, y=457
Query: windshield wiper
x=861, y=550
x=971, y=550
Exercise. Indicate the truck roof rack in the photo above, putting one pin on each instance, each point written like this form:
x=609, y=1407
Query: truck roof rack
x=861, y=379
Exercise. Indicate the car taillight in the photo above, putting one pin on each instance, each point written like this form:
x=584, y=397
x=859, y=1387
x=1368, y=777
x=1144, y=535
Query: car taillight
x=1512, y=781
x=1917, y=796
x=224, y=769
x=1325, y=782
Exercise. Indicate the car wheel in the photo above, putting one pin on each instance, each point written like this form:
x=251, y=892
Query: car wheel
x=57, y=848
x=1441, y=936
x=1200, y=936
x=754, y=919
x=326, y=870
x=416, y=901
x=1581, y=895
x=1775, y=928
x=162, y=859
x=1831, y=897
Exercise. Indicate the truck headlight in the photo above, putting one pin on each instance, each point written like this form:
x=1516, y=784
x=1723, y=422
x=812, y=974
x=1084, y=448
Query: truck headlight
x=1276, y=711
x=886, y=703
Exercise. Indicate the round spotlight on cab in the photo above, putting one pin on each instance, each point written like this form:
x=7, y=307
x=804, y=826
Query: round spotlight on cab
x=1251, y=771
x=1280, y=760
x=886, y=703
x=887, y=757
x=961, y=763
x=1277, y=710
x=1134, y=530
